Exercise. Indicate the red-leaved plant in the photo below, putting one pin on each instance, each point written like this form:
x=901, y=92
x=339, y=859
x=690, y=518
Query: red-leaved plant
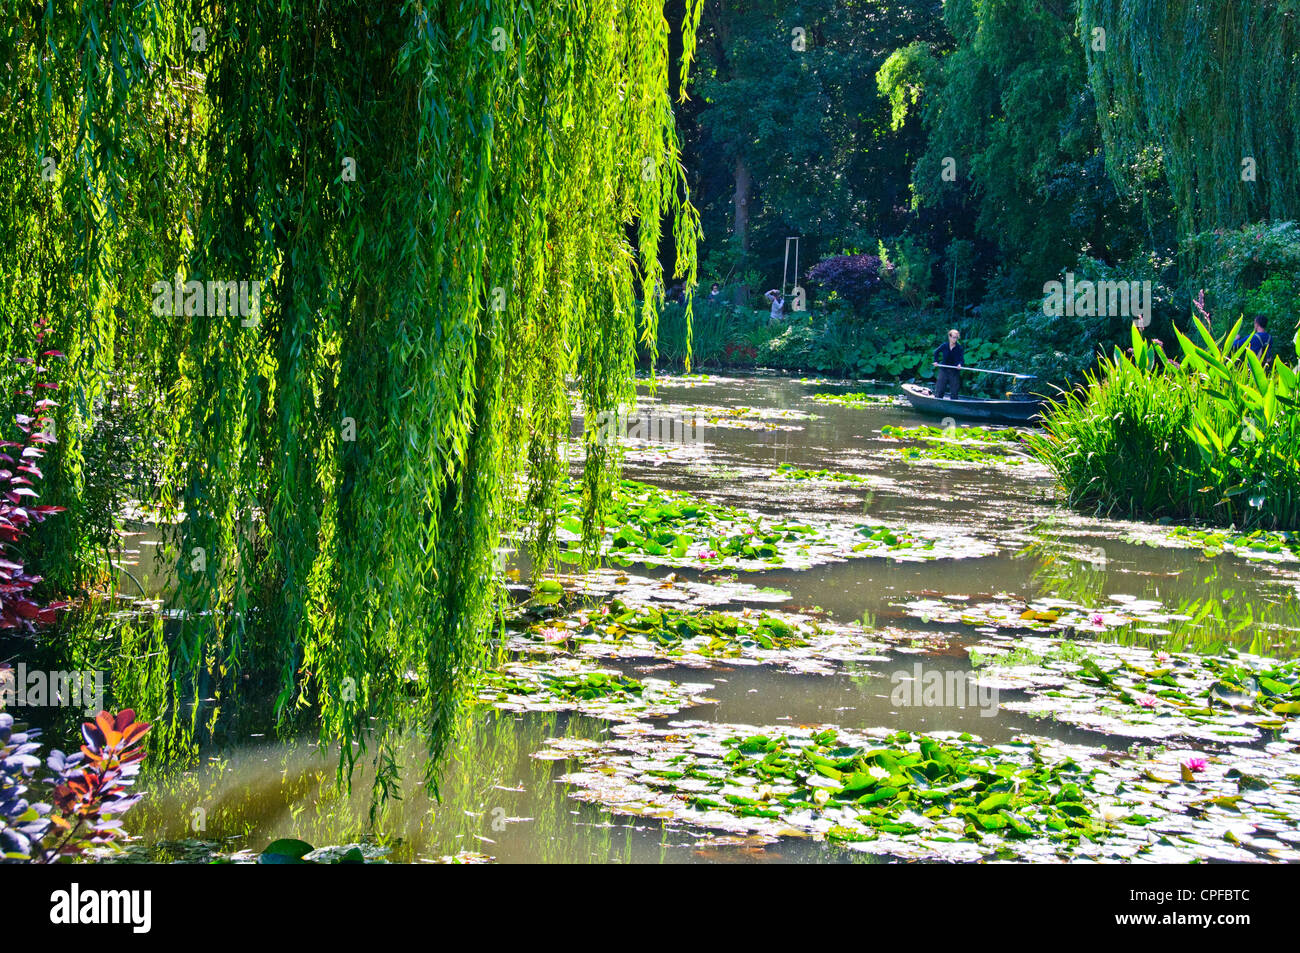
x=19, y=465
x=89, y=789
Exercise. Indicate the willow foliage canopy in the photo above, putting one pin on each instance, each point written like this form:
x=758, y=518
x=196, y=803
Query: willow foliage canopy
x=1208, y=89
x=450, y=207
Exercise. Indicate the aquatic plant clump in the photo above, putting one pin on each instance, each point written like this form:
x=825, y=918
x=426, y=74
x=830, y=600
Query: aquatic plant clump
x=1212, y=437
x=918, y=795
x=956, y=444
x=959, y=434
x=1046, y=615
x=672, y=528
x=725, y=633
x=1134, y=692
x=788, y=471
x=946, y=454
x=1257, y=544
x=698, y=637
x=942, y=796
x=859, y=399
x=740, y=418
x=569, y=684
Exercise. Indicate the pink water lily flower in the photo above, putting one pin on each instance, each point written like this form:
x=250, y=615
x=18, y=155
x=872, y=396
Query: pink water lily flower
x=550, y=633
x=1195, y=765
x=708, y=554
x=1147, y=701
x=1098, y=619
x=1162, y=656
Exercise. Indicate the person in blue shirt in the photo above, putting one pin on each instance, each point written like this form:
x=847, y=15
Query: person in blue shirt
x=1261, y=342
x=949, y=352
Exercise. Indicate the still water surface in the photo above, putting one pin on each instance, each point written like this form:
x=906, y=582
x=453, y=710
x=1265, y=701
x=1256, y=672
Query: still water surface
x=498, y=800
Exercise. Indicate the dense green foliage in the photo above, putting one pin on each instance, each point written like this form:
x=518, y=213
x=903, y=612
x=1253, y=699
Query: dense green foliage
x=785, y=134
x=1213, y=436
x=1009, y=142
x=1210, y=92
x=436, y=199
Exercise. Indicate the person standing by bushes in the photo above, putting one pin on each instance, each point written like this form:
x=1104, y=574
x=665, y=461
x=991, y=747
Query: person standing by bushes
x=777, y=300
x=1261, y=342
x=950, y=352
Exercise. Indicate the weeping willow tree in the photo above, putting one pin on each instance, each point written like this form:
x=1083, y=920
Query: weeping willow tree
x=441, y=215
x=1210, y=91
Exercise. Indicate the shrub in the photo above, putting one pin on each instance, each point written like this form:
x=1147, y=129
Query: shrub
x=1230, y=263
x=88, y=789
x=1278, y=300
x=906, y=266
x=19, y=465
x=1119, y=444
x=855, y=278
x=1215, y=437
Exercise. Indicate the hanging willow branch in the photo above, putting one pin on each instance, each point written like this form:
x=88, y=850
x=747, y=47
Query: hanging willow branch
x=1210, y=86
x=450, y=208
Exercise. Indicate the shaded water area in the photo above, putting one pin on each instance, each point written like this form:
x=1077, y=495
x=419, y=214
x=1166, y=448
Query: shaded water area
x=1016, y=546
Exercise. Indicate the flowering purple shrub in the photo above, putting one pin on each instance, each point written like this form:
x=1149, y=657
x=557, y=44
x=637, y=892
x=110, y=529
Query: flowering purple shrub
x=855, y=278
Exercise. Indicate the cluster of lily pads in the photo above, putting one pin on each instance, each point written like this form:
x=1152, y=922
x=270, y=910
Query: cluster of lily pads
x=742, y=418
x=572, y=684
x=956, y=444
x=860, y=399
x=925, y=796
x=1257, y=544
x=940, y=795
x=1128, y=691
x=787, y=471
x=963, y=434
x=696, y=637
x=685, y=380
x=1144, y=616
x=672, y=528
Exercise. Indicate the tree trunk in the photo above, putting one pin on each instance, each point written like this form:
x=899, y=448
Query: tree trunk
x=741, y=201
x=740, y=233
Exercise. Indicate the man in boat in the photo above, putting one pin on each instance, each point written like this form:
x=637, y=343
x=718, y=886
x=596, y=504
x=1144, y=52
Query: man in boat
x=950, y=352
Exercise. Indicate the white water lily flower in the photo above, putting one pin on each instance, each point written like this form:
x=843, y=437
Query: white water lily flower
x=877, y=772
x=1111, y=812
x=821, y=796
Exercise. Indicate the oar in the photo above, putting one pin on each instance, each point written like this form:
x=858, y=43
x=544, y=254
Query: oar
x=980, y=370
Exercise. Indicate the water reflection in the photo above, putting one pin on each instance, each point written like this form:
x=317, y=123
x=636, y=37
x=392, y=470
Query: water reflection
x=497, y=799
x=1209, y=604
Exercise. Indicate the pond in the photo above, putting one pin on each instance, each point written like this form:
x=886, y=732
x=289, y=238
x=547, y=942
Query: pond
x=978, y=564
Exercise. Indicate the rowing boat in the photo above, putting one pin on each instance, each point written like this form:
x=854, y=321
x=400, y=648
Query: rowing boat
x=1016, y=408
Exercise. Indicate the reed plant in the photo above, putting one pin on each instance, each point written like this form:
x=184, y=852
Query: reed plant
x=1210, y=437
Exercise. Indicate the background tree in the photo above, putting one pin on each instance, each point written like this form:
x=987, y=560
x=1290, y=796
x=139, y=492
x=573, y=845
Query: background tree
x=1210, y=89
x=785, y=134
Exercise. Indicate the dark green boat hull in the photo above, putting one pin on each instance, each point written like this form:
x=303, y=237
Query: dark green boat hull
x=1016, y=411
